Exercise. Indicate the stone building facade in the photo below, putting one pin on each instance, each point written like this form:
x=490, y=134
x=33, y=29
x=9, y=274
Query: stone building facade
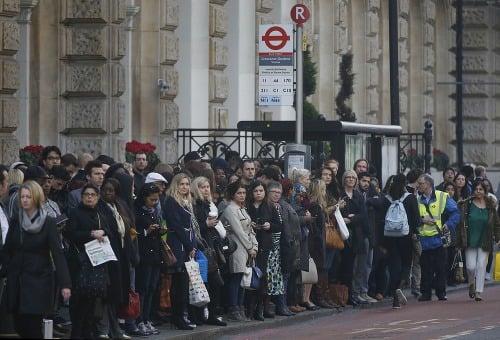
x=83, y=74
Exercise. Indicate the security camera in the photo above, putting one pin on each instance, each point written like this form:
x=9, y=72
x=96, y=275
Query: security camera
x=163, y=85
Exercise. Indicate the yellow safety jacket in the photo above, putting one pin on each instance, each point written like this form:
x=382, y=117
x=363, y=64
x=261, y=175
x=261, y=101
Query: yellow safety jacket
x=436, y=209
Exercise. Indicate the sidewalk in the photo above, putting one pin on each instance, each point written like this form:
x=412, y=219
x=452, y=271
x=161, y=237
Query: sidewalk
x=233, y=328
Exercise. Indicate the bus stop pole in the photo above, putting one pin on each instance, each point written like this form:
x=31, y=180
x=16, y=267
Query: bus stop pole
x=299, y=93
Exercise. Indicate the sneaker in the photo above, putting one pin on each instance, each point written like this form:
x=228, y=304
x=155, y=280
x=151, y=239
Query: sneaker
x=401, y=297
x=487, y=277
x=143, y=330
x=149, y=326
x=478, y=297
x=358, y=300
x=368, y=298
x=137, y=332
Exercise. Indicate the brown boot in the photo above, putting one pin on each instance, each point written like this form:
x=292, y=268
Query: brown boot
x=328, y=296
x=322, y=289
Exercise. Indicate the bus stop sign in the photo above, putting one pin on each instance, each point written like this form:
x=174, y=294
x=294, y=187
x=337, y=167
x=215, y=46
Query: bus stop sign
x=299, y=14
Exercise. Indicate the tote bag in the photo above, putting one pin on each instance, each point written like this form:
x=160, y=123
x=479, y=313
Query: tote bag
x=198, y=294
x=344, y=232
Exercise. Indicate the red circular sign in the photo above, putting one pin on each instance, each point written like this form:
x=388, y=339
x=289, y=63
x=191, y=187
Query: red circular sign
x=275, y=41
x=300, y=13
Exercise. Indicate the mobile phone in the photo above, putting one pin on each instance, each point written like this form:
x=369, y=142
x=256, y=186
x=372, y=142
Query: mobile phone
x=61, y=219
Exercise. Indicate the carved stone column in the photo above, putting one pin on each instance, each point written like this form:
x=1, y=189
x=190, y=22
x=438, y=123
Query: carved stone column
x=480, y=72
x=373, y=52
x=429, y=57
x=24, y=58
x=91, y=77
x=9, y=81
x=169, y=55
x=218, y=61
x=404, y=60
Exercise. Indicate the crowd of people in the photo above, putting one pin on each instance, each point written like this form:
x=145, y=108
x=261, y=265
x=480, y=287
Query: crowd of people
x=238, y=213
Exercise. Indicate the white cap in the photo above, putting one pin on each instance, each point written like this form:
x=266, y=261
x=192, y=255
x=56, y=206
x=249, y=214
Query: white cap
x=16, y=164
x=155, y=177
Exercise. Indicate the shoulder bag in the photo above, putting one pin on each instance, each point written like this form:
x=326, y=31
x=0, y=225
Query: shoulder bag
x=167, y=255
x=332, y=236
x=311, y=276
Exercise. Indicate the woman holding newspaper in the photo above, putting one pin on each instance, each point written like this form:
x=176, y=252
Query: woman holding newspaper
x=30, y=250
x=85, y=224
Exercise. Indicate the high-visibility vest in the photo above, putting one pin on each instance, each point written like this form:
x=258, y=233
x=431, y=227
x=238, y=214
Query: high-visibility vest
x=436, y=208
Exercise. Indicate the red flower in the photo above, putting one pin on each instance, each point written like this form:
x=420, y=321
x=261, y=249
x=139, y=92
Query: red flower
x=136, y=147
x=411, y=152
x=436, y=151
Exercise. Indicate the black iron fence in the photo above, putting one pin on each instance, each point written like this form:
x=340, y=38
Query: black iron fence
x=215, y=143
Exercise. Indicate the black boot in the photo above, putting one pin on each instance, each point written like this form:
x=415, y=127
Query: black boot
x=259, y=312
x=281, y=308
x=269, y=310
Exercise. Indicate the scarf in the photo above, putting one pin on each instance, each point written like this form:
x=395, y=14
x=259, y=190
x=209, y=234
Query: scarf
x=188, y=207
x=119, y=222
x=32, y=224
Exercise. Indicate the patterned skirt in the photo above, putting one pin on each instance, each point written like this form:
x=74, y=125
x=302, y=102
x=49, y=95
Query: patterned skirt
x=275, y=285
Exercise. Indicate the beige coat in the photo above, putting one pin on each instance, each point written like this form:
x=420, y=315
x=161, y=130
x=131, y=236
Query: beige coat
x=242, y=233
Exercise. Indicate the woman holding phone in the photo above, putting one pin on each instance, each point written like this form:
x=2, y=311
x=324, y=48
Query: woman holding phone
x=147, y=223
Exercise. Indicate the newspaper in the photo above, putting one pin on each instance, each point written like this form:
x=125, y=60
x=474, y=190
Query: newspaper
x=100, y=252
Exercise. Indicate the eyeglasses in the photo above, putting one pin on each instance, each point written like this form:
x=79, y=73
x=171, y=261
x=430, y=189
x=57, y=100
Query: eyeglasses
x=275, y=192
x=421, y=183
x=89, y=194
x=350, y=177
x=54, y=158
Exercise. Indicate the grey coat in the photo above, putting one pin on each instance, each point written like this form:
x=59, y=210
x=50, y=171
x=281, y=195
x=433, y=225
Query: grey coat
x=242, y=233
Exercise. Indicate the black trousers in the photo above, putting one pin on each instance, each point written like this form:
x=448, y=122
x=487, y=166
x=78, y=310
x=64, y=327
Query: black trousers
x=433, y=268
x=81, y=310
x=179, y=294
x=28, y=326
x=400, y=255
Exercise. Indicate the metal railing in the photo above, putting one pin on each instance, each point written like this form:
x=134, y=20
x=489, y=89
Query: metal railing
x=215, y=143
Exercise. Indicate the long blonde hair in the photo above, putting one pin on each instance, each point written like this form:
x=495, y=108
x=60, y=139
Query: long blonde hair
x=173, y=190
x=317, y=193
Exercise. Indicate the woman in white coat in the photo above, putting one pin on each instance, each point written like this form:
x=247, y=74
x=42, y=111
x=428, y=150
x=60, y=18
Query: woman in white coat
x=235, y=216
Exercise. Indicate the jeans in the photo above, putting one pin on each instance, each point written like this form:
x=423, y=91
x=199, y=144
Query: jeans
x=362, y=269
x=236, y=294
x=147, y=282
x=476, y=259
x=329, y=257
x=130, y=323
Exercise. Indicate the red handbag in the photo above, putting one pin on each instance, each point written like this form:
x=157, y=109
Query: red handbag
x=133, y=309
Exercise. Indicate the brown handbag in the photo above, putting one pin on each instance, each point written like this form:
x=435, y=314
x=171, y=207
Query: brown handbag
x=339, y=294
x=166, y=283
x=333, y=238
x=167, y=255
